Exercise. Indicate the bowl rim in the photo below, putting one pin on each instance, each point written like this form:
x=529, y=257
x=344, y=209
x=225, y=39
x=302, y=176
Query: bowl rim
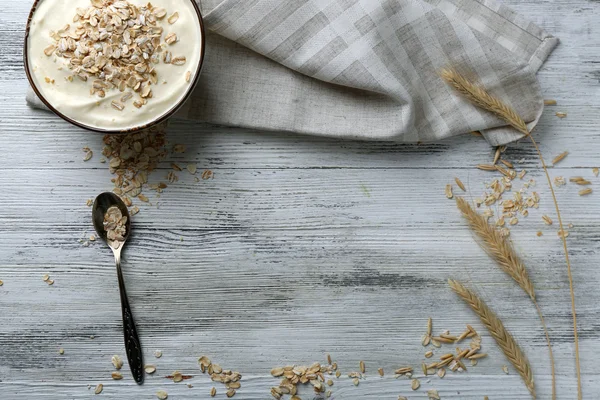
x=134, y=129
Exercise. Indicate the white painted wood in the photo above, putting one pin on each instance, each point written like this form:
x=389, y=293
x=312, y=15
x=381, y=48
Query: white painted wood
x=299, y=246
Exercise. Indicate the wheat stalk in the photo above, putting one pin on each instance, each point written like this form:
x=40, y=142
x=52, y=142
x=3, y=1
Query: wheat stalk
x=504, y=339
x=478, y=96
x=501, y=250
x=497, y=247
x=483, y=99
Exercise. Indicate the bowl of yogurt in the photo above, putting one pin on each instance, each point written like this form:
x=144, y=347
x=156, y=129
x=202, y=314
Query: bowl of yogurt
x=114, y=66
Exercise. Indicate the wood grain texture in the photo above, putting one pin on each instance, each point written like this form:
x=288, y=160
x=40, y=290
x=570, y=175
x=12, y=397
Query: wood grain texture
x=298, y=247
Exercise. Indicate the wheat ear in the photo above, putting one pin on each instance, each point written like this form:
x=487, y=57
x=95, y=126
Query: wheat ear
x=497, y=247
x=504, y=339
x=483, y=99
x=502, y=251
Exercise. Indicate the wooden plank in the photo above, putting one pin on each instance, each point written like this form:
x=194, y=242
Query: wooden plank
x=299, y=246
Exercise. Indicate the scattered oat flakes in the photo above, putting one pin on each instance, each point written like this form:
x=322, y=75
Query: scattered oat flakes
x=173, y=18
x=177, y=377
x=1, y=282
x=159, y=12
x=179, y=60
x=117, y=105
x=50, y=282
x=132, y=158
x=192, y=168
x=126, y=97
x=426, y=340
x=99, y=388
x=157, y=353
x=61, y=351
x=207, y=174
x=162, y=395
x=429, y=354
x=579, y=180
x=171, y=38
x=117, y=361
x=547, y=219
x=213, y=391
x=380, y=370
x=172, y=177
x=522, y=174
x=432, y=394
x=460, y=184
x=505, y=369
x=561, y=114
x=559, y=157
x=539, y=233
x=88, y=154
x=179, y=148
x=362, y=366
x=230, y=378
x=188, y=76
x=49, y=50
x=497, y=154
x=415, y=384
x=449, y=193
x=117, y=376
x=586, y=191
x=89, y=202
x=549, y=102
x=150, y=369
x=560, y=181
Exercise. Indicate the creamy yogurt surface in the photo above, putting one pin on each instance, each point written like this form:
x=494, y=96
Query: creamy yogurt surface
x=72, y=97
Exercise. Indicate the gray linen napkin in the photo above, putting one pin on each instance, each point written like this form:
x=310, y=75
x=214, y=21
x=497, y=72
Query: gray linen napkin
x=365, y=69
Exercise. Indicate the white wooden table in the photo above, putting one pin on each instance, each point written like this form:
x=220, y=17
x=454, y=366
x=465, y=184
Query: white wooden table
x=299, y=246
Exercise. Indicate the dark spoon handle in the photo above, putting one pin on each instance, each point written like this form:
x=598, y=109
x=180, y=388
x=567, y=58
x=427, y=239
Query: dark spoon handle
x=132, y=340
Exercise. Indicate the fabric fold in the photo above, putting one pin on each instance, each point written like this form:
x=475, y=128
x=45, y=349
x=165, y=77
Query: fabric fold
x=366, y=69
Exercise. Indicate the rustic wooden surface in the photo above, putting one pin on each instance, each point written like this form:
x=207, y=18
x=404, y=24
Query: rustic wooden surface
x=299, y=246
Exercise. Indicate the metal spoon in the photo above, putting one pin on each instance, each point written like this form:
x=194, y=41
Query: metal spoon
x=132, y=342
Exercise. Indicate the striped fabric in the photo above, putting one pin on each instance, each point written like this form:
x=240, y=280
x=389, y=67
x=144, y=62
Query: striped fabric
x=366, y=69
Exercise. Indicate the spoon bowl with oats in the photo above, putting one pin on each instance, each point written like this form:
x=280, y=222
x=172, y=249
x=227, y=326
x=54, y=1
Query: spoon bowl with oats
x=113, y=224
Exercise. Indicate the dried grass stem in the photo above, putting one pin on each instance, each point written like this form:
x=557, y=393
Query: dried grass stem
x=503, y=338
x=481, y=98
